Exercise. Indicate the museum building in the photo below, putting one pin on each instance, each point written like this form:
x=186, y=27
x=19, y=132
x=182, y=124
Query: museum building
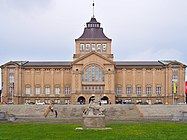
x=93, y=72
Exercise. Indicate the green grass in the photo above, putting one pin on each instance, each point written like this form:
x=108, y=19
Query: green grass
x=149, y=131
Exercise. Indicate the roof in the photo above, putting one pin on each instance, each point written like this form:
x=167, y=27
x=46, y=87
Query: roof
x=93, y=31
x=48, y=64
x=138, y=63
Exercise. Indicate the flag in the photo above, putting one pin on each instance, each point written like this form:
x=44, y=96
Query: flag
x=174, y=87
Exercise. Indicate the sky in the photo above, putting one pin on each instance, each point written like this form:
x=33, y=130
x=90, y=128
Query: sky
x=43, y=30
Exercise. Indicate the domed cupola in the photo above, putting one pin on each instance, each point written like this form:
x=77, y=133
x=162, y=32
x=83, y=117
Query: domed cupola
x=93, y=31
x=93, y=40
x=93, y=23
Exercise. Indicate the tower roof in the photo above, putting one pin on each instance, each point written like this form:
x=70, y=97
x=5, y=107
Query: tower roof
x=93, y=31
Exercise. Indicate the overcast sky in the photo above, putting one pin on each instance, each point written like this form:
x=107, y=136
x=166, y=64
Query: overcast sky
x=40, y=30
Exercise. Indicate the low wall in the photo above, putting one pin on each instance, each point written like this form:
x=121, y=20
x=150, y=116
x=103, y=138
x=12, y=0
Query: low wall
x=70, y=111
x=114, y=113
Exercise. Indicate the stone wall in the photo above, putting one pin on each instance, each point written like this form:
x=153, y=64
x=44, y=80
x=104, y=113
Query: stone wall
x=70, y=111
x=113, y=112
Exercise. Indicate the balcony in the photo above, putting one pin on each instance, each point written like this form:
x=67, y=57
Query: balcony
x=94, y=92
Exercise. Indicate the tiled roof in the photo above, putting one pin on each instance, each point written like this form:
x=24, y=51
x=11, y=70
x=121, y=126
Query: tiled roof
x=49, y=64
x=93, y=31
x=138, y=63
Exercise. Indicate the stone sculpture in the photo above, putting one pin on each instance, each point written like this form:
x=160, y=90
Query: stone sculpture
x=94, y=107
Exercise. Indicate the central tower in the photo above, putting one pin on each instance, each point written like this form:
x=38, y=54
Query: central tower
x=93, y=39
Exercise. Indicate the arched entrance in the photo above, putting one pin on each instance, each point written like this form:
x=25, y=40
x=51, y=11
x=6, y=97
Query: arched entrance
x=104, y=100
x=91, y=98
x=81, y=100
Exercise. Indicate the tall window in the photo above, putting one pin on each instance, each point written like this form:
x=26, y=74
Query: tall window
x=119, y=90
x=27, y=90
x=87, y=47
x=67, y=90
x=158, y=90
x=11, y=78
x=148, y=90
x=47, y=90
x=37, y=90
x=93, y=73
x=138, y=90
x=175, y=74
x=104, y=48
x=93, y=47
x=98, y=47
x=82, y=48
x=57, y=90
x=128, y=90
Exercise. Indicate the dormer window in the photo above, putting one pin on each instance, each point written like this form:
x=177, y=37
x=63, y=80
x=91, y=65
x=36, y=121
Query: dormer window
x=87, y=47
x=93, y=47
x=98, y=47
x=104, y=47
x=82, y=48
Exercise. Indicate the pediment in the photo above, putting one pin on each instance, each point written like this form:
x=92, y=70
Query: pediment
x=93, y=57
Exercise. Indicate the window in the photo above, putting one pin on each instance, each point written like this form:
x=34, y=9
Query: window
x=47, y=101
x=175, y=74
x=138, y=90
x=93, y=47
x=67, y=90
x=93, y=73
x=87, y=47
x=148, y=90
x=158, y=90
x=128, y=90
x=57, y=101
x=27, y=101
x=82, y=48
x=27, y=90
x=57, y=90
x=104, y=48
x=11, y=78
x=47, y=90
x=98, y=47
x=119, y=90
x=93, y=88
x=37, y=90
x=67, y=101
x=11, y=70
x=37, y=101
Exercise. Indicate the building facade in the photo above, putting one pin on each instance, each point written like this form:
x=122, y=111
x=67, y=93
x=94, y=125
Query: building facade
x=93, y=72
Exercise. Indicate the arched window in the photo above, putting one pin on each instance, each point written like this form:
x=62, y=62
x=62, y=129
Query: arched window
x=93, y=73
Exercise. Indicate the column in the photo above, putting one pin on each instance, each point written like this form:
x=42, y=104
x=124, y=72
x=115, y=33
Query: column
x=124, y=82
x=32, y=82
x=42, y=81
x=16, y=82
x=62, y=81
x=154, y=90
x=134, y=80
x=143, y=84
x=52, y=81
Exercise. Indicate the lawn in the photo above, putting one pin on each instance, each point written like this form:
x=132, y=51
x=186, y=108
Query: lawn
x=146, y=131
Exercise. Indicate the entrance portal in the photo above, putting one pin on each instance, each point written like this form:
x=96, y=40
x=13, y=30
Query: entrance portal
x=81, y=100
x=104, y=100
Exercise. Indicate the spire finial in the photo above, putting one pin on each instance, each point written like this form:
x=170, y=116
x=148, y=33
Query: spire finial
x=93, y=8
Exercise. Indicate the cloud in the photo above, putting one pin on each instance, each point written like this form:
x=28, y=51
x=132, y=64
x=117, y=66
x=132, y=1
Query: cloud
x=25, y=6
